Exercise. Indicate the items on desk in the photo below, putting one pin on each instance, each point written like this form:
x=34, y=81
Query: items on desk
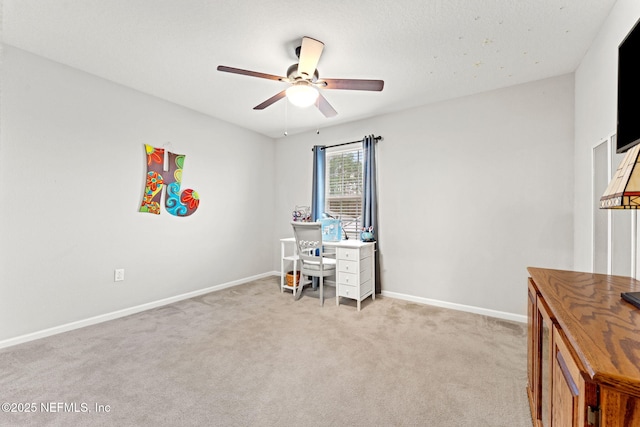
x=331, y=229
x=301, y=214
x=367, y=234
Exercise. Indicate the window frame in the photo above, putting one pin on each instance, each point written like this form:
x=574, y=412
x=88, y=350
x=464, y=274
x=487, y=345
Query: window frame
x=352, y=224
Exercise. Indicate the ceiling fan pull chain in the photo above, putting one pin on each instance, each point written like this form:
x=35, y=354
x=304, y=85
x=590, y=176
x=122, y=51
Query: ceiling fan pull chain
x=286, y=116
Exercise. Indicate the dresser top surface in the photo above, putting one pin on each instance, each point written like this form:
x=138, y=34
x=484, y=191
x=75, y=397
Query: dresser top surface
x=603, y=329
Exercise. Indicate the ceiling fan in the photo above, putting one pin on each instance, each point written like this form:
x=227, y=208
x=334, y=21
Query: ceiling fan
x=305, y=80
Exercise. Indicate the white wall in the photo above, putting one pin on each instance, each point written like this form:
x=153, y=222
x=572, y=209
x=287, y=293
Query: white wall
x=595, y=117
x=472, y=191
x=72, y=169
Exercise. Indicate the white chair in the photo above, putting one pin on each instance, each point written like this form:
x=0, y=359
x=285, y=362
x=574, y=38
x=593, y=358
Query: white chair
x=313, y=259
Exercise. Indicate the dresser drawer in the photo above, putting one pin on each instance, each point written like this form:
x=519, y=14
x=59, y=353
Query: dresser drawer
x=347, y=278
x=348, y=254
x=348, y=266
x=352, y=253
x=348, y=291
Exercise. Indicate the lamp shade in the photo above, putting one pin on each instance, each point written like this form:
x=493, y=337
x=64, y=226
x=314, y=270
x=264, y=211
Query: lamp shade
x=623, y=191
x=302, y=94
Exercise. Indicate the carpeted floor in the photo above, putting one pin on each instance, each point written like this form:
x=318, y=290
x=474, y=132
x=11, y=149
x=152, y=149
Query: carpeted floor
x=252, y=356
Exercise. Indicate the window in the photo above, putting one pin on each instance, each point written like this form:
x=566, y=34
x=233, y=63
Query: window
x=344, y=188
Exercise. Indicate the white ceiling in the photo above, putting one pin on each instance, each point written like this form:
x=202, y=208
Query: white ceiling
x=424, y=50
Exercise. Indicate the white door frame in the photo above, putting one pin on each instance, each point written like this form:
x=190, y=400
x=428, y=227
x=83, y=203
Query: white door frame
x=610, y=142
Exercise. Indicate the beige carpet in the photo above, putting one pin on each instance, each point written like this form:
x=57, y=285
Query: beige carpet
x=251, y=356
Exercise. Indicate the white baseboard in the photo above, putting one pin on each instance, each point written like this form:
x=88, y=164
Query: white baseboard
x=461, y=307
x=139, y=308
x=127, y=311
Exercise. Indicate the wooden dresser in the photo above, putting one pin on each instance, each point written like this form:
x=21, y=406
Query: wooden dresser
x=583, y=350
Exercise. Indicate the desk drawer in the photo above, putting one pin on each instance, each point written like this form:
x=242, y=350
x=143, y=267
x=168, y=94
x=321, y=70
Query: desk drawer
x=348, y=291
x=354, y=253
x=347, y=278
x=350, y=272
x=348, y=266
x=348, y=254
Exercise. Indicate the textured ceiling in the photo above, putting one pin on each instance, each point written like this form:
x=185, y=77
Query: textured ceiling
x=424, y=50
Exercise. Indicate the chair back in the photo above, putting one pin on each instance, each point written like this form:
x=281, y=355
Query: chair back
x=309, y=244
x=308, y=237
x=308, y=241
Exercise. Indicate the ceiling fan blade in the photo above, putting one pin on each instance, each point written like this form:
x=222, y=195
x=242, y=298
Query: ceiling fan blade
x=248, y=73
x=310, y=52
x=271, y=100
x=324, y=107
x=353, y=84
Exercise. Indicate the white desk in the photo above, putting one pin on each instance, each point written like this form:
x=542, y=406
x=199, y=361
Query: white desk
x=355, y=268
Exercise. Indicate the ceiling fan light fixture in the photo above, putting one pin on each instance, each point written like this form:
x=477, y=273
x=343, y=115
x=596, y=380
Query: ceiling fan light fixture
x=302, y=94
x=305, y=80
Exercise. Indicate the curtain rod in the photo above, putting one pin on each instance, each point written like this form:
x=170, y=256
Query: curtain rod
x=376, y=138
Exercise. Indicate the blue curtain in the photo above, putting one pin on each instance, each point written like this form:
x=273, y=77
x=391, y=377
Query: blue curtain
x=317, y=192
x=370, y=200
x=370, y=197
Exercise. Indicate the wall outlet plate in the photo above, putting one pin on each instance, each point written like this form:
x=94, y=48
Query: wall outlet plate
x=118, y=275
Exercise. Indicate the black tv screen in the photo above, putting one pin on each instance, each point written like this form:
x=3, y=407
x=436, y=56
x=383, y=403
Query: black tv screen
x=628, y=127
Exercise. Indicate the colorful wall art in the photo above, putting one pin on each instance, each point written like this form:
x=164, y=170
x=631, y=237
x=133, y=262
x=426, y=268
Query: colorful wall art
x=176, y=203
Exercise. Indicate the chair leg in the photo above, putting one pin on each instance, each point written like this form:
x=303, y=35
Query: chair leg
x=321, y=291
x=294, y=281
x=296, y=295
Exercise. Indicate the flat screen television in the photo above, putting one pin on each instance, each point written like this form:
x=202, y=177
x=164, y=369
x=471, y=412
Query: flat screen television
x=628, y=127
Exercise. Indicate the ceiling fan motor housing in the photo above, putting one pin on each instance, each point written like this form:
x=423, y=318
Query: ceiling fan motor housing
x=293, y=75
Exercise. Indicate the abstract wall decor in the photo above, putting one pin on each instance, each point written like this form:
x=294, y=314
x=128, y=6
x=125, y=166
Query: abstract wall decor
x=176, y=202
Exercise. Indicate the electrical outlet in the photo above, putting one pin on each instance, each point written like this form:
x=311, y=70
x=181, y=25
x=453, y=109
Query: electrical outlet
x=118, y=275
